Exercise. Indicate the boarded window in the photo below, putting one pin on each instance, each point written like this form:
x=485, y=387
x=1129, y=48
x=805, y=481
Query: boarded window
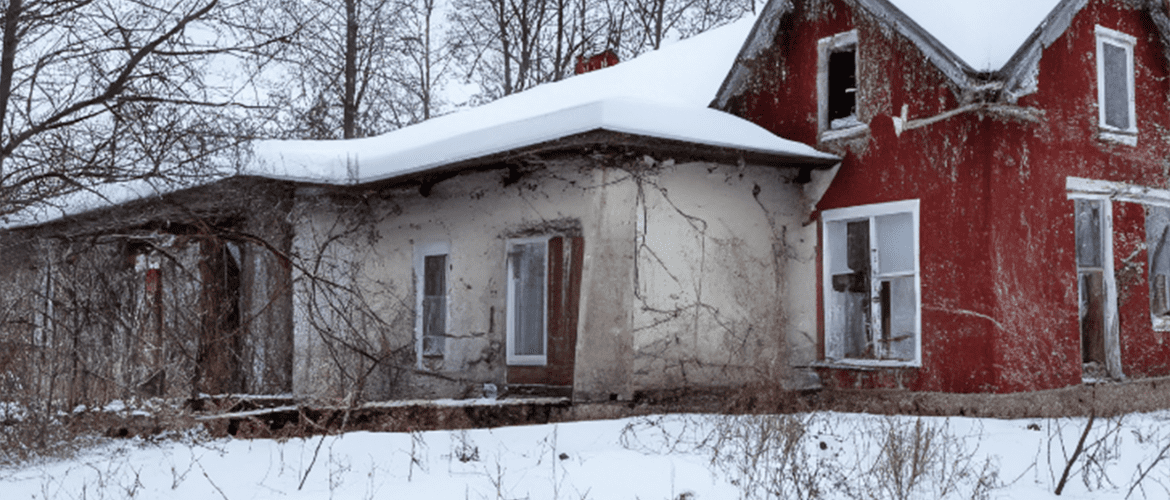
x=434, y=308
x=872, y=298
x=527, y=265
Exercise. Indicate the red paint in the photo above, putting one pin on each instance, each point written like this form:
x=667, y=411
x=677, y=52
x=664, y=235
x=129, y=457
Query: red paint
x=595, y=62
x=996, y=226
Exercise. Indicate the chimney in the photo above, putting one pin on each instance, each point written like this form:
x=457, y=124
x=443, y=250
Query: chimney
x=595, y=62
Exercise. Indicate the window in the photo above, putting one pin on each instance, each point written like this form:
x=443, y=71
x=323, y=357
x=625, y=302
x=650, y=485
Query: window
x=1158, y=250
x=431, y=264
x=1115, y=86
x=837, y=98
x=527, y=287
x=871, y=284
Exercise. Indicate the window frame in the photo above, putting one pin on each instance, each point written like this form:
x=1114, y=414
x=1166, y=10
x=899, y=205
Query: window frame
x=833, y=343
x=421, y=252
x=825, y=49
x=1126, y=135
x=512, y=358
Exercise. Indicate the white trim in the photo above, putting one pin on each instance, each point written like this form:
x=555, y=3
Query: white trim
x=825, y=47
x=421, y=251
x=1082, y=188
x=1111, y=334
x=510, y=341
x=833, y=347
x=1126, y=135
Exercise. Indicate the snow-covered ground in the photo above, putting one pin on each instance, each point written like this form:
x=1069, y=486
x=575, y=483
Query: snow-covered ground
x=833, y=455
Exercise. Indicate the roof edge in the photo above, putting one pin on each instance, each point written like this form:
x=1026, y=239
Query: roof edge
x=1019, y=73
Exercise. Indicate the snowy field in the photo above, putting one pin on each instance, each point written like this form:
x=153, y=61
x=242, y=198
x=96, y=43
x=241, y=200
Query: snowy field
x=820, y=455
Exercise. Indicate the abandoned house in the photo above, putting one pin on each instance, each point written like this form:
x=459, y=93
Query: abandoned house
x=971, y=201
x=999, y=220
x=595, y=237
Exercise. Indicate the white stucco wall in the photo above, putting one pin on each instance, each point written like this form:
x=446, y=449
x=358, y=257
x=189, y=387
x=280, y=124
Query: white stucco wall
x=686, y=277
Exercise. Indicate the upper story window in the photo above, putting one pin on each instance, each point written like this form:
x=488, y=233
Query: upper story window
x=871, y=284
x=837, y=99
x=1115, y=86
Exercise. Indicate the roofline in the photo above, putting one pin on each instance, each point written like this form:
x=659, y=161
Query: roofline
x=594, y=141
x=1015, y=73
x=763, y=35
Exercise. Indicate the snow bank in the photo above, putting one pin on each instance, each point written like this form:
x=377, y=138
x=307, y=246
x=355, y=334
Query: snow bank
x=984, y=33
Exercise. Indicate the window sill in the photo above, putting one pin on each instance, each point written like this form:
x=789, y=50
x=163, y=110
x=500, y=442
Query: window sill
x=528, y=362
x=1161, y=323
x=1129, y=138
x=843, y=133
x=865, y=364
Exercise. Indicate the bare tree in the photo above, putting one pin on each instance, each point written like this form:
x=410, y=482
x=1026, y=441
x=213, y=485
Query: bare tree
x=96, y=91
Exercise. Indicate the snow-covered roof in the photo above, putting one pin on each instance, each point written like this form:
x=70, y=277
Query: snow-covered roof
x=662, y=94
x=983, y=33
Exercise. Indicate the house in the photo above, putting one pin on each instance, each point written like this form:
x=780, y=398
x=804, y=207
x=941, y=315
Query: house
x=599, y=237
x=998, y=222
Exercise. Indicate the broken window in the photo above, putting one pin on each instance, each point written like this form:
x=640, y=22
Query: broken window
x=1091, y=281
x=872, y=283
x=1157, y=243
x=837, y=81
x=527, y=269
x=431, y=264
x=1115, y=86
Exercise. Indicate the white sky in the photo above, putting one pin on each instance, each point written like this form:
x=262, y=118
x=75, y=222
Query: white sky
x=984, y=33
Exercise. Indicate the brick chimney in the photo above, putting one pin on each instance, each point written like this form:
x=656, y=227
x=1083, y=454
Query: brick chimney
x=595, y=62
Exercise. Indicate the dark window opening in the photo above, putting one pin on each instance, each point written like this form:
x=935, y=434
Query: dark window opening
x=434, y=305
x=842, y=84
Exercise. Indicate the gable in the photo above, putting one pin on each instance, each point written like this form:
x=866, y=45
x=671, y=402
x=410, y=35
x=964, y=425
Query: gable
x=988, y=56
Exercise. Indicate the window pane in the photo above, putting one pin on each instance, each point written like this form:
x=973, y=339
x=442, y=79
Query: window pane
x=901, y=321
x=528, y=267
x=1088, y=233
x=895, y=235
x=1157, y=241
x=850, y=318
x=435, y=269
x=1116, y=70
x=849, y=247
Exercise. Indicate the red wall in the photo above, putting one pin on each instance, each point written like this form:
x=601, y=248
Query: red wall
x=999, y=298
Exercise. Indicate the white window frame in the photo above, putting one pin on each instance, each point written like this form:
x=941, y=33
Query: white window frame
x=1106, y=192
x=834, y=350
x=825, y=48
x=1078, y=187
x=1125, y=135
x=514, y=359
x=421, y=252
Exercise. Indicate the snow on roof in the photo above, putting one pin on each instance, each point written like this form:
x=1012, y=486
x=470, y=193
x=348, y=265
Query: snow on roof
x=662, y=94
x=984, y=33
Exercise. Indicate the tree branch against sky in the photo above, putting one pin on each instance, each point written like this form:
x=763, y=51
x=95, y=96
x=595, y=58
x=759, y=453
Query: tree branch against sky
x=99, y=91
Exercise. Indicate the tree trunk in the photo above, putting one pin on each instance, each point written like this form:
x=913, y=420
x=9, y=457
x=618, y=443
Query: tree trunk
x=349, y=107
x=7, y=61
